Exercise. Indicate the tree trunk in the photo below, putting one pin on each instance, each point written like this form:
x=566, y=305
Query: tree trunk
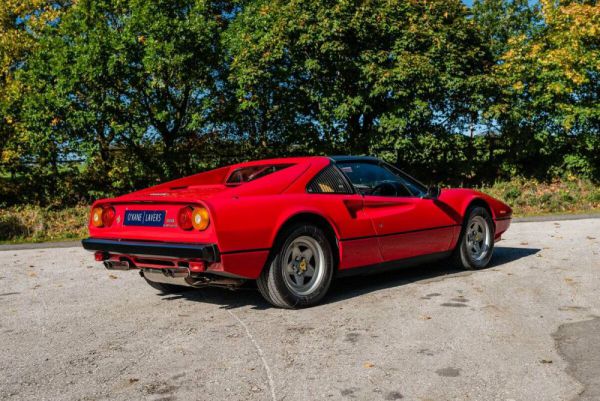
x=357, y=137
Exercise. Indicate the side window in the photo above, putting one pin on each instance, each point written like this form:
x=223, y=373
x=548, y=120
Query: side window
x=374, y=179
x=415, y=187
x=329, y=181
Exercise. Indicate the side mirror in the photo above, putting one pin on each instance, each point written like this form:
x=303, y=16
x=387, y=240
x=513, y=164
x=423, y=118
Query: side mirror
x=432, y=193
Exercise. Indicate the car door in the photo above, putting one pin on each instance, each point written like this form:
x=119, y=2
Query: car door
x=358, y=242
x=406, y=224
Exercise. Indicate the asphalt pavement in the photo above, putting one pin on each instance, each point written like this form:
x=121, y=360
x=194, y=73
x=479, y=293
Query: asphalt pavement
x=526, y=328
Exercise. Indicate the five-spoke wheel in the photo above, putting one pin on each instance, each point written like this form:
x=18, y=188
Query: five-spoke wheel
x=300, y=270
x=476, y=243
x=304, y=270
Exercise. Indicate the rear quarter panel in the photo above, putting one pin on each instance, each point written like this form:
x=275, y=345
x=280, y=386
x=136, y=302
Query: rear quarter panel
x=247, y=223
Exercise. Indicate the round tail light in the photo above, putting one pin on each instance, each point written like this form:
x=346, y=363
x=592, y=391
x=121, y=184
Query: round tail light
x=184, y=218
x=103, y=216
x=200, y=218
x=108, y=216
x=97, y=217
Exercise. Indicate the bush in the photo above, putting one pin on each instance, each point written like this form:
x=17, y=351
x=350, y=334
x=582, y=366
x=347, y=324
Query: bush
x=530, y=197
x=32, y=223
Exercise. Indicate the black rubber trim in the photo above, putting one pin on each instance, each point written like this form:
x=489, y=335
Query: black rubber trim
x=393, y=265
x=399, y=233
x=206, y=252
x=504, y=218
x=245, y=251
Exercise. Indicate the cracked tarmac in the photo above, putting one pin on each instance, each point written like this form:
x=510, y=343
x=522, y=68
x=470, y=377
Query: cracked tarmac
x=526, y=328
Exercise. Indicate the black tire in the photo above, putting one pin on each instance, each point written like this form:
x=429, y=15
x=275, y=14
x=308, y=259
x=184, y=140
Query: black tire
x=167, y=288
x=463, y=256
x=273, y=284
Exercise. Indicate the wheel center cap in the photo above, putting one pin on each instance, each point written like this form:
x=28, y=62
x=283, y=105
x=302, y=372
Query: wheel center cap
x=302, y=265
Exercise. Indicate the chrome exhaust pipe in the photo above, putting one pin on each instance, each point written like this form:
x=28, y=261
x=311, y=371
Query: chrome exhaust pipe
x=226, y=282
x=116, y=265
x=181, y=276
x=176, y=276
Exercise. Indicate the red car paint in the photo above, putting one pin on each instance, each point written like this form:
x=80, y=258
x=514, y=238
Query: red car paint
x=246, y=219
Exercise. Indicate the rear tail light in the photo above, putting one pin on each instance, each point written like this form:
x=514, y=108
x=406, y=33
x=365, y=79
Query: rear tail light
x=103, y=216
x=193, y=217
x=184, y=218
x=108, y=216
x=200, y=218
x=97, y=217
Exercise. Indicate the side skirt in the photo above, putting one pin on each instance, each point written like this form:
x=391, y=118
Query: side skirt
x=394, y=264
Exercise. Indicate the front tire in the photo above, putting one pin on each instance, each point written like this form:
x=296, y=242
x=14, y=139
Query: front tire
x=300, y=271
x=476, y=242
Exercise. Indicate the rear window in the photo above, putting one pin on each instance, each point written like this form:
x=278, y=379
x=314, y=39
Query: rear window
x=251, y=173
x=329, y=181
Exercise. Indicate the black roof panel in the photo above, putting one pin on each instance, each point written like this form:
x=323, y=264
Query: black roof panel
x=341, y=159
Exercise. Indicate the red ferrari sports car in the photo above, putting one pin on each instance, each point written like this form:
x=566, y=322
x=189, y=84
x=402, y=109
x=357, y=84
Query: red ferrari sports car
x=291, y=224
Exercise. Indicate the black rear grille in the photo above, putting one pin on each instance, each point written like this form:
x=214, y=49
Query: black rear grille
x=157, y=262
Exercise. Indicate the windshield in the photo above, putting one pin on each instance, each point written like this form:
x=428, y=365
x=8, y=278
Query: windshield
x=251, y=173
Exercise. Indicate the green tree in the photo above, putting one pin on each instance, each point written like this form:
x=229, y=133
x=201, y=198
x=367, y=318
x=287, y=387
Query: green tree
x=501, y=20
x=99, y=97
x=354, y=75
x=21, y=23
x=125, y=76
x=550, y=92
x=506, y=141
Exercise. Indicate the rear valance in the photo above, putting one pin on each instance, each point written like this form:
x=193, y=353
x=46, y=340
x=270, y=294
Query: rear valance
x=206, y=252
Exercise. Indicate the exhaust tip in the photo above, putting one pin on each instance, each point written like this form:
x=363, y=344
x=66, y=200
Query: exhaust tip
x=116, y=265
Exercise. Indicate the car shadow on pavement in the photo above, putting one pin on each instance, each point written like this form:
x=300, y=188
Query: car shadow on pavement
x=350, y=287
x=360, y=285
x=247, y=295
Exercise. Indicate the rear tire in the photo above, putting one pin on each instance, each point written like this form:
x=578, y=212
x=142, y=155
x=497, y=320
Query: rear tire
x=167, y=288
x=299, y=272
x=476, y=242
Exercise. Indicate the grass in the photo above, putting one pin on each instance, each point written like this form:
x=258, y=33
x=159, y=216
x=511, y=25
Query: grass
x=20, y=224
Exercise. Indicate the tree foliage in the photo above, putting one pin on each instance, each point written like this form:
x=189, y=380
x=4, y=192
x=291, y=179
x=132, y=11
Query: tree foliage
x=353, y=75
x=99, y=97
x=21, y=24
x=551, y=80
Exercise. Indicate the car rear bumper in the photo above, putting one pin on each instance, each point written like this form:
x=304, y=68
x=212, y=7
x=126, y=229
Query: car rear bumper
x=205, y=252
